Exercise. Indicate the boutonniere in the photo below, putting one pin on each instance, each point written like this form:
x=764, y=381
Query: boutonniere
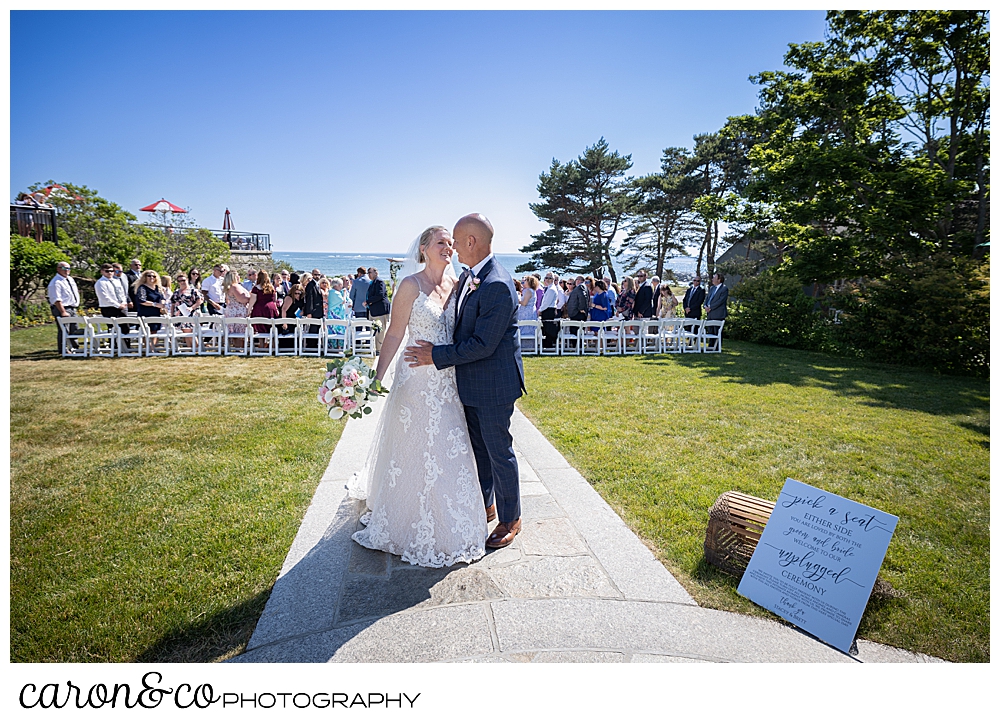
x=474, y=283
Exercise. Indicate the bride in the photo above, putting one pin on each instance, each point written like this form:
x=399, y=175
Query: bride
x=420, y=483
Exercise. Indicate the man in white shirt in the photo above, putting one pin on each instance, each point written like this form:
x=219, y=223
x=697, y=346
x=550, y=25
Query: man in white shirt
x=548, y=311
x=64, y=299
x=212, y=288
x=110, y=295
x=118, y=276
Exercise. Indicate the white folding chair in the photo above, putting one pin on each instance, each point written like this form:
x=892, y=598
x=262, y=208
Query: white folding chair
x=632, y=336
x=211, y=334
x=711, y=336
x=130, y=334
x=234, y=342
x=310, y=337
x=690, y=336
x=157, y=342
x=74, y=343
x=590, y=338
x=183, y=336
x=670, y=335
x=362, y=337
x=651, y=343
x=288, y=342
x=261, y=343
x=568, y=340
x=337, y=336
x=611, y=337
x=101, y=336
x=530, y=334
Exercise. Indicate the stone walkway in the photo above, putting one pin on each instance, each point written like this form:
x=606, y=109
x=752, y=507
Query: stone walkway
x=576, y=586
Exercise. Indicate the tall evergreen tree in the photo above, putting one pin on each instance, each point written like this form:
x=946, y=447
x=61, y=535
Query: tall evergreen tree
x=664, y=223
x=586, y=202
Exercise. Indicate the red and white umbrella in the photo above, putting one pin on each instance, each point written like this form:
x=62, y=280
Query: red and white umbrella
x=163, y=206
x=227, y=222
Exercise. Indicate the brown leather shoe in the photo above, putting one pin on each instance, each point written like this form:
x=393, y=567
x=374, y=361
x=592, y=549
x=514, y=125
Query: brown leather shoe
x=491, y=513
x=503, y=534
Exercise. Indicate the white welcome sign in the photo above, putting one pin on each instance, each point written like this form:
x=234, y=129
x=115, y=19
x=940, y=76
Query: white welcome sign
x=817, y=561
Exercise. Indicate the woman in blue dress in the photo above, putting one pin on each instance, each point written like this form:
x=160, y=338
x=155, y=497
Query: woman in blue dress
x=336, y=308
x=600, y=308
x=149, y=297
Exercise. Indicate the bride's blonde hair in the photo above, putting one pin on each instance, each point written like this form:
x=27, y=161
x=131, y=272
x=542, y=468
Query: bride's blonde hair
x=425, y=239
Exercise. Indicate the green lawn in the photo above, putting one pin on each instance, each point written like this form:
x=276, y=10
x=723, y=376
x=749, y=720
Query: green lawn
x=662, y=437
x=152, y=501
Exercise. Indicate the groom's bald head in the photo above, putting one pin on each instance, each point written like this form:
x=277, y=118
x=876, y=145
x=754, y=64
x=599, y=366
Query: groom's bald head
x=473, y=238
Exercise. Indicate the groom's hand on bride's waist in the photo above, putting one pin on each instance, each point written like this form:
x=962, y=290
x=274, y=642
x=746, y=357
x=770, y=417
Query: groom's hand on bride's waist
x=420, y=354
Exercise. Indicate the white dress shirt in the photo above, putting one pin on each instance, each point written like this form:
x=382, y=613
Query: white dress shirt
x=473, y=273
x=549, y=298
x=110, y=293
x=63, y=288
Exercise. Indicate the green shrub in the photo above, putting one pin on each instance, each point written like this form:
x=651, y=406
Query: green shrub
x=932, y=313
x=30, y=313
x=772, y=309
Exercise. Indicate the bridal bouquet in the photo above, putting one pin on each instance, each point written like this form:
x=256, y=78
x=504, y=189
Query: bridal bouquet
x=348, y=388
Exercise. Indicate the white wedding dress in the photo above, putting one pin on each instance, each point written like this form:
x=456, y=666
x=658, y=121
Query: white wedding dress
x=420, y=481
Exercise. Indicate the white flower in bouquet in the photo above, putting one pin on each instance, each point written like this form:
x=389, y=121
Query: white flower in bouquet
x=336, y=412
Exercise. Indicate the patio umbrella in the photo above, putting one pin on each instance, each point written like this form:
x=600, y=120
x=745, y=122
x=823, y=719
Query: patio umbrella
x=163, y=206
x=227, y=224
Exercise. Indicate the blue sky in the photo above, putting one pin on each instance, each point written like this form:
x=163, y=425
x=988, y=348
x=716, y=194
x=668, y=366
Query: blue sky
x=342, y=131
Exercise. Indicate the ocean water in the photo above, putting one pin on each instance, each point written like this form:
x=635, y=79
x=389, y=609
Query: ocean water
x=347, y=264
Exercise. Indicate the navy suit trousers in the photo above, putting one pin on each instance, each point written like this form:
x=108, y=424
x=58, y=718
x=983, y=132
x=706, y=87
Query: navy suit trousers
x=493, y=447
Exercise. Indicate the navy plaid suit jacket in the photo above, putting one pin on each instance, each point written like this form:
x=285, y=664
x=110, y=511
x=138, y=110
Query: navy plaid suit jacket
x=486, y=342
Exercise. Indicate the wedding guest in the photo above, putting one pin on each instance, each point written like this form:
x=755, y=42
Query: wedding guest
x=119, y=277
x=250, y=281
x=667, y=304
x=337, y=308
x=626, y=298
x=578, y=304
x=560, y=287
x=377, y=303
x=132, y=276
x=655, y=283
x=186, y=301
x=693, y=299
x=549, y=310
x=359, y=293
x=600, y=309
x=194, y=281
x=111, y=297
x=236, y=300
x=717, y=300
x=167, y=293
x=526, y=305
x=263, y=301
x=612, y=292
x=64, y=300
x=642, y=307
x=211, y=289
x=324, y=289
x=290, y=308
x=312, y=308
x=539, y=291
x=149, y=297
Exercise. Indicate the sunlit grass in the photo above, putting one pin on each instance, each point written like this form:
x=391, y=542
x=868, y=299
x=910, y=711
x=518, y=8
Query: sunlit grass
x=662, y=437
x=152, y=501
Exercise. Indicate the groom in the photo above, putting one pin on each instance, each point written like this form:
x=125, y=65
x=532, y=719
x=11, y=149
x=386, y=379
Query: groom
x=487, y=360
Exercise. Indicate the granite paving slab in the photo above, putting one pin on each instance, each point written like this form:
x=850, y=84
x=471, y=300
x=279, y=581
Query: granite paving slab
x=576, y=586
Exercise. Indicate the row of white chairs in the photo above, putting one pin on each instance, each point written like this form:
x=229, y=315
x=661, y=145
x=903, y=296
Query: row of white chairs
x=616, y=336
x=209, y=335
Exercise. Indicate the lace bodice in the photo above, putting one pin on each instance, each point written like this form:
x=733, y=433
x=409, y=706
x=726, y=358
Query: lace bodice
x=430, y=322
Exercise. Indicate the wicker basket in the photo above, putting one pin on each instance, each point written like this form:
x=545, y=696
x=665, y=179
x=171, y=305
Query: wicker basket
x=735, y=524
